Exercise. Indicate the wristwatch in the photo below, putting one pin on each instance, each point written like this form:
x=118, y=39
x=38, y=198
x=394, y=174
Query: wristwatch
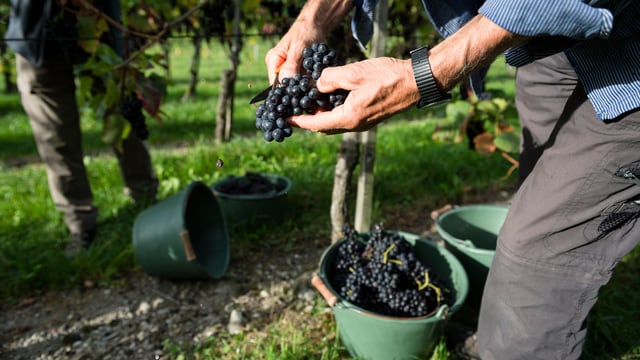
x=430, y=95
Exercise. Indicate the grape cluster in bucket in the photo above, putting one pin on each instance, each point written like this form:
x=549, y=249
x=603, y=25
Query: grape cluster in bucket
x=382, y=274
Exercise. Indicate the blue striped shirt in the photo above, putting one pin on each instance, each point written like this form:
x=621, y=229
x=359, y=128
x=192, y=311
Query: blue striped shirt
x=600, y=38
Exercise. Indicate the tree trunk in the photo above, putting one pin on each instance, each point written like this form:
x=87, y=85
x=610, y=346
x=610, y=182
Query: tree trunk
x=195, y=67
x=224, y=117
x=364, y=200
x=166, y=52
x=224, y=111
x=347, y=161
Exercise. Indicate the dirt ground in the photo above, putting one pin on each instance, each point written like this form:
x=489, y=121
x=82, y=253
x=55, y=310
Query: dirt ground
x=132, y=319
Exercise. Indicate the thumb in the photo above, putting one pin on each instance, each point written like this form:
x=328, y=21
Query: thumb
x=332, y=79
x=274, y=60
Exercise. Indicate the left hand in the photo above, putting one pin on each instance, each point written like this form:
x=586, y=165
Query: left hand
x=378, y=88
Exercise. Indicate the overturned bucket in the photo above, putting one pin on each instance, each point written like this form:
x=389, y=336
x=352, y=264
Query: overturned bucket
x=471, y=233
x=183, y=236
x=371, y=336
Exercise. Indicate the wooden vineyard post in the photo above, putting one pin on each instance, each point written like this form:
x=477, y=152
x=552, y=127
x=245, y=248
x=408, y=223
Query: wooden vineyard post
x=349, y=156
x=346, y=164
x=364, y=199
x=224, y=113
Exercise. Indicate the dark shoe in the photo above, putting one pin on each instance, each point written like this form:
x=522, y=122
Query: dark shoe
x=468, y=350
x=79, y=242
x=144, y=200
x=462, y=342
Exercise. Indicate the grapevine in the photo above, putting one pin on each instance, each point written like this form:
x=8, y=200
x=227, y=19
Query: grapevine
x=131, y=109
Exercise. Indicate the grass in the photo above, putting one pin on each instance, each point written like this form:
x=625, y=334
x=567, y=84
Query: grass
x=412, y=172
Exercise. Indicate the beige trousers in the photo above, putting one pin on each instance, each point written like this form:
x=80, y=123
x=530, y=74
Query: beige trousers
x=48, y=96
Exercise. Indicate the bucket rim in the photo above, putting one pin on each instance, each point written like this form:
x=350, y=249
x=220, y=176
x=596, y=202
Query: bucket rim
x=259, y=196
x=460, y=243
x=221, y=268
x=442, y=309
x=163, y=236
x=459, y=208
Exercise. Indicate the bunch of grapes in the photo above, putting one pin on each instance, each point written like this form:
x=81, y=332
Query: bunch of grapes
x=131, y=109
x=383, y=275
x=298, y=95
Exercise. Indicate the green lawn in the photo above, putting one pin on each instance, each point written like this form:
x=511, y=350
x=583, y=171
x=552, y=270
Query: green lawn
x=412, y=171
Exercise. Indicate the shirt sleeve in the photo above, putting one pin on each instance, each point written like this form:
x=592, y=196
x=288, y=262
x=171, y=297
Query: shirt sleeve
x=567, y=18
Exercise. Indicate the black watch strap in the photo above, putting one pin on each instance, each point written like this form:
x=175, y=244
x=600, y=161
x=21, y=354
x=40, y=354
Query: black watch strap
x=429, y=92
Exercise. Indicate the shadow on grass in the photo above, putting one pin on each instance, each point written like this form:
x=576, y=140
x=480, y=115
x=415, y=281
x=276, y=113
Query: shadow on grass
x=34, y=261
x=614, y=323
x=20, y=150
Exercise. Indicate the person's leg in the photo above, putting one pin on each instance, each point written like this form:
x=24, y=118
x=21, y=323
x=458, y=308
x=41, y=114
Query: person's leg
x=573, y=218
x=48, y=97
x=542, y=90
x=137, y=170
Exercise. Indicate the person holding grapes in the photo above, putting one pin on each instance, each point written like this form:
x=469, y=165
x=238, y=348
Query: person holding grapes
x=575, y=214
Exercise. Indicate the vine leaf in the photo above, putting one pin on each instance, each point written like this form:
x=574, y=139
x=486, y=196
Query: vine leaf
x=457, y=111
x=113, y=127
x=508, y=141
x=151, y=90
x=90, y=29
x=484, y=143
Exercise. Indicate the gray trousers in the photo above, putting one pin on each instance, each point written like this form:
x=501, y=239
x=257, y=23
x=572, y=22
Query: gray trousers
x=48, y=96
x=572, y=220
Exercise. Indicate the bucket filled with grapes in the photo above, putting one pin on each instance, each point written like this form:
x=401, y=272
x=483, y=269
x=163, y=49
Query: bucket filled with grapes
x=391, y=292
x=253, y=198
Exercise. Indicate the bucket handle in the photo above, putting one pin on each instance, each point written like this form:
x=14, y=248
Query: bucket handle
x=322, y=288
x=188, y=247
x=443, y=312
x=435, y=214
x=466, y=243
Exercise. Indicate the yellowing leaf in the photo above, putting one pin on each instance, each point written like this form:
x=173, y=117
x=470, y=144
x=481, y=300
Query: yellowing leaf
x=484, y=143
x=500, y=103
x=90, y=29
x=487, y=106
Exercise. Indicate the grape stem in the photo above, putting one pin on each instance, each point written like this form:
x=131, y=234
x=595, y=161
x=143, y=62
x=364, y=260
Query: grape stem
x=386, y=253
x=427, y=283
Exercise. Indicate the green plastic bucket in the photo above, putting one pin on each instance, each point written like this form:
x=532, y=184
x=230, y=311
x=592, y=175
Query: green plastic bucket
x=471, y=233
x=255, y=209
x=371, y=336
x=183, y=236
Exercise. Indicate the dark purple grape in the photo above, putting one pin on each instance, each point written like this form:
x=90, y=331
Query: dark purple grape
x=278, y=135
x=297, y=95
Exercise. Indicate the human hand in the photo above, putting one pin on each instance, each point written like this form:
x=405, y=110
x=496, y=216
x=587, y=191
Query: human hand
x=378, y=88
x=316, y=19
x=285, y=59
